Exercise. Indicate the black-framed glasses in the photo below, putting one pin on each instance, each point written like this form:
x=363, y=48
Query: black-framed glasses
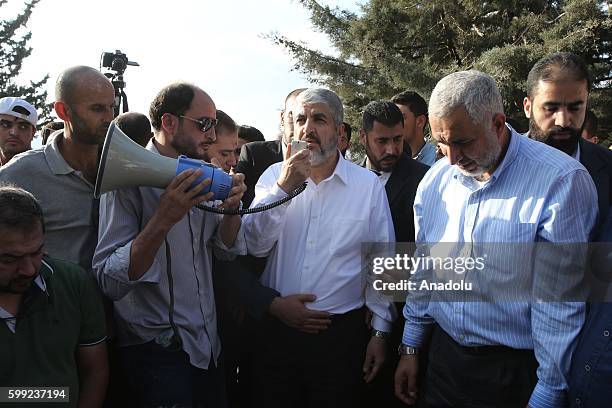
x=205, y=123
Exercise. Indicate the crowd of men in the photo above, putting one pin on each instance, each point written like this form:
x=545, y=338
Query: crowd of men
x=141, y=299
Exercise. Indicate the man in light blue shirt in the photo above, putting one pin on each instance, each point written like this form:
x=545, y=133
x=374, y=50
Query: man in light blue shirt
x=493, y=187
x=414, y=110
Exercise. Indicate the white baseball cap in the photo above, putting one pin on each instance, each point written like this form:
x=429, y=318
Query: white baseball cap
x=18, y=107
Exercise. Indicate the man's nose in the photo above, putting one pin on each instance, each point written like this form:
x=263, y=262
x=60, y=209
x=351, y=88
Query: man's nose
x=309, y=126
x=27, y=266
x=453, y=153
x=211, y=135
x=232, y=161
x=562, y=118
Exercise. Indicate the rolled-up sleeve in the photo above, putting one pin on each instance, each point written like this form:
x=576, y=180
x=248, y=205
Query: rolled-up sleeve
x=118, y=226
x=225, y=253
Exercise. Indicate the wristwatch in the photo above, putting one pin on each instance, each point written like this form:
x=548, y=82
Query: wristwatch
x=380, y=334
x=404, y=350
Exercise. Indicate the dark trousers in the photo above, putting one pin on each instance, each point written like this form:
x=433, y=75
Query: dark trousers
x=118, y=394
x=295, y=369
x=471, y=377
x=161, y=377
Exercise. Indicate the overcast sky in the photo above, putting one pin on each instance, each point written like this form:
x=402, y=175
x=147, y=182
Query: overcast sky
x=217, y=45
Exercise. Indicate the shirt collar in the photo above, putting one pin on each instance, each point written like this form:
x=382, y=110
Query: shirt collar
x=54, y=157
x=576, y=154
x=45, y=272
x=341, y=170
x=151, y=146
x=368, y=165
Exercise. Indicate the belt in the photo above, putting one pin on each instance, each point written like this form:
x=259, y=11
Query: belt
x=481, y=350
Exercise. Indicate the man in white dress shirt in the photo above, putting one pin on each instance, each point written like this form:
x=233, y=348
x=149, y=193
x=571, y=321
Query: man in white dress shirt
x=313, y=244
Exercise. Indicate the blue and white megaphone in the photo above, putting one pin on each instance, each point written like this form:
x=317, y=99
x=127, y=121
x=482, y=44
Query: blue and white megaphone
x=124, y=163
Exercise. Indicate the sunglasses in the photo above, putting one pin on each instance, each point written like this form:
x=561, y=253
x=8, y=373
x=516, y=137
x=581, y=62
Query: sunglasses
x=205, y=123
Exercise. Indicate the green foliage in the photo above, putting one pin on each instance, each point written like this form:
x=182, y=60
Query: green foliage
x=391, y=46
x=13, y=50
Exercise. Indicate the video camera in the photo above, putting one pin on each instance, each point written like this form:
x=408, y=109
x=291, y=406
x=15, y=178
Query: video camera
x=117, y=62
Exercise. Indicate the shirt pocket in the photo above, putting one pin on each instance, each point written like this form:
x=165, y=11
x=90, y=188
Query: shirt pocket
x=347, y=235
x=496, y=230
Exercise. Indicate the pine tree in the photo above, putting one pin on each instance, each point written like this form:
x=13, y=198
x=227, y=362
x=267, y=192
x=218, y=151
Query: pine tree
x=13, y=50
x=396, y=45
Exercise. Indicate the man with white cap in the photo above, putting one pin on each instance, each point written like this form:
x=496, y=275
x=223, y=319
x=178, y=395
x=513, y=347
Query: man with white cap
x=17, y=126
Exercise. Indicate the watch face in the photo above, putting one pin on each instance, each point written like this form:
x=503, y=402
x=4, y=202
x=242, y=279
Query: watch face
x=404, y=350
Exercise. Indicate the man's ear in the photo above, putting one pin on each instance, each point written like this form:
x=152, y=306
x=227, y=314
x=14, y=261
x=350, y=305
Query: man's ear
x=362, y=137
x=169, y=123
x=527, y=107
x=62, y=110
x=499, y=123
x=421, y=121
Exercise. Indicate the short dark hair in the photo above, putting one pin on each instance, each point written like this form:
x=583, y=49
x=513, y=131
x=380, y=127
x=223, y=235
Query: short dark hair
x=558, y=65
x=590, y=122
x=412, y=100
x=136, y=126
x=348, y=130
x=384, y=112
x=49, y=128
x=225, y=122
x=19, y=210
x=175, y=98
x=250, y=134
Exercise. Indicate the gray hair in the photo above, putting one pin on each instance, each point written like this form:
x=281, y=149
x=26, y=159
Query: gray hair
x=321, y=95
x=476, y=91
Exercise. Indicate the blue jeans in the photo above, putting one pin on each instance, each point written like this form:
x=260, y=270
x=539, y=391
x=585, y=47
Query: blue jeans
x=161, y=377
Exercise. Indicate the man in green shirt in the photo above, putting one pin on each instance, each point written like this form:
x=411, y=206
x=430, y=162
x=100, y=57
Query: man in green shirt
x=52, y=331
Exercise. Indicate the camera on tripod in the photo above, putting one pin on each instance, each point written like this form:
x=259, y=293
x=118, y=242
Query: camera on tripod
x=117, y=62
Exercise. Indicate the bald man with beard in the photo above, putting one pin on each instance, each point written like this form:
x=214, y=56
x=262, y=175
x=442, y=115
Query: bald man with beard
x=61, y=174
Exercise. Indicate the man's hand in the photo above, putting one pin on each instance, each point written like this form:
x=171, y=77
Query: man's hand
x=232, y=202
x=178, y=198
x=406, y=379
x=291, y=311
x=296, y=169
x=374, y=359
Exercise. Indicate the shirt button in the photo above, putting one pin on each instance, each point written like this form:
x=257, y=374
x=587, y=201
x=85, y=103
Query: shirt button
x=578, y=401
x=606, y=333
x=587, y=367
x=461, y=337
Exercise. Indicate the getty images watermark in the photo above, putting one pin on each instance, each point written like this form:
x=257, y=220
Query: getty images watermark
x=400, y=264
x=490, y=272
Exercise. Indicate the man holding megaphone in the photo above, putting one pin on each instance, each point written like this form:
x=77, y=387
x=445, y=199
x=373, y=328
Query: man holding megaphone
x=154, y=260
